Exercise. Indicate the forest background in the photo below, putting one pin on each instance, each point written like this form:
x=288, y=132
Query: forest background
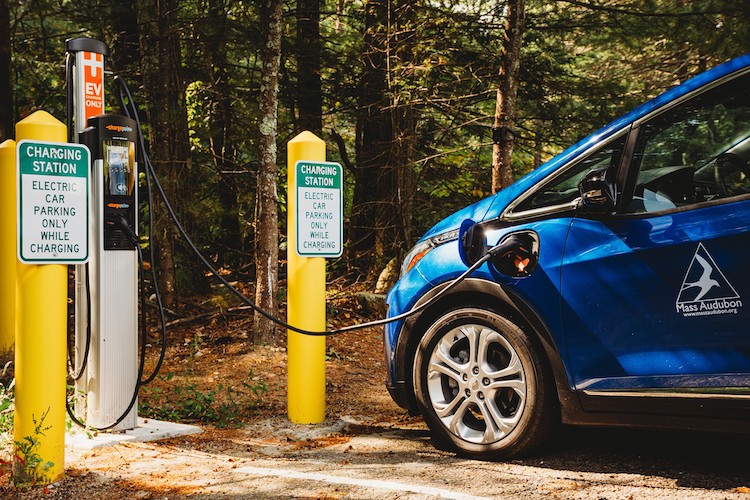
x=430, y=105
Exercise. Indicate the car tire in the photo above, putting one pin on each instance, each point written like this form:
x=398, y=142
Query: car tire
x=496, y=400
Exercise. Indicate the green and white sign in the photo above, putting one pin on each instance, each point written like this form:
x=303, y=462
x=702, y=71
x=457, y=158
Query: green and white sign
x=320, y=208
x=53, y=202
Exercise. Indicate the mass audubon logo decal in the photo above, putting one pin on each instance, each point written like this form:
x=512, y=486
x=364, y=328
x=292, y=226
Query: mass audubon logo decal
x=705, y=290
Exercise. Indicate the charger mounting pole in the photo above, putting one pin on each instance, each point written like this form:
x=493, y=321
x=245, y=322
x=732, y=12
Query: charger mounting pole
x=106, y=290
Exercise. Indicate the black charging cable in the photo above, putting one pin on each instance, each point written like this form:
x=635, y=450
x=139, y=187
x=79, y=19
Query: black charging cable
x=125, y=226
x=128, y=106
x=131, y=111
x=73, y=372
x=69, y=64
x=77, y=372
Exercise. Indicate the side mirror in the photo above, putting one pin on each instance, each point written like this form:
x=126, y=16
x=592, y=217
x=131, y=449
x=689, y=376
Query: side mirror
x=516, y=255
x=598, y=193
x=472, y=242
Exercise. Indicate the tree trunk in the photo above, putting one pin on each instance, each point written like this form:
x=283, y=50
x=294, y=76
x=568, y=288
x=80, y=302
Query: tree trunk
x=167, y=117
x=123, y=42
x=503, y=135
x=384, y=180
x=221, y=125
x=538, y=143
x=307, y=49
x=374, y=133
x=266, y=208
x=402, y=50
x=6, y=88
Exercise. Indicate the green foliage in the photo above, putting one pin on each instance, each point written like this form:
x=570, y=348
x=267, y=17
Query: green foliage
x=26, y=465
x=223, y=406
x=6, y=420
x=582, y=65
x=29, y=467
x=6, y=406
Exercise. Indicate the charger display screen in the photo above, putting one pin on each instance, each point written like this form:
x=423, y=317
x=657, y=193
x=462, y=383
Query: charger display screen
x=119, y=171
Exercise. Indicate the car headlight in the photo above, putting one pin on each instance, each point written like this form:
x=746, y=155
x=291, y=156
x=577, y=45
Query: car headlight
x=423, y=248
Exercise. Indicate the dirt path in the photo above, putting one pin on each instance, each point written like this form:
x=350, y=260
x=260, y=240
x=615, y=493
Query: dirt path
x=368, y=448
x=350, y=458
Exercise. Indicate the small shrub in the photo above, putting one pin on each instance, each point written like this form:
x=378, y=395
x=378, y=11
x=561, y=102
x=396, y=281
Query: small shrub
x=187, y=403
x=6, y=421
x=29, y=467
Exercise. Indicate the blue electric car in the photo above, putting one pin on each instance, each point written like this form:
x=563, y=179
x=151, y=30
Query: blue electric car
x=612, y=286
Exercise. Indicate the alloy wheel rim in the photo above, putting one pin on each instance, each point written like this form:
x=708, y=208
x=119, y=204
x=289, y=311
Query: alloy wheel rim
x=476, y=384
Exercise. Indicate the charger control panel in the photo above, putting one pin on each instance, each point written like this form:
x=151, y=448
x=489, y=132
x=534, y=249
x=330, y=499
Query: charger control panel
x=111, y=139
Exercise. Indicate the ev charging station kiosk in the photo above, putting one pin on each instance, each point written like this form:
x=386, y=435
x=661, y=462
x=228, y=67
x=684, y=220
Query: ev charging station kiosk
x=106, y=289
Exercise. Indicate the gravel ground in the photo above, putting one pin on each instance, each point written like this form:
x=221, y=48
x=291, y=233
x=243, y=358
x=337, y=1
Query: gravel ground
x=352, y=458
x=368, y=448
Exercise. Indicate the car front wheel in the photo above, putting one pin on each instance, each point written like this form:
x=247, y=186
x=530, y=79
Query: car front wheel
x=482, y=386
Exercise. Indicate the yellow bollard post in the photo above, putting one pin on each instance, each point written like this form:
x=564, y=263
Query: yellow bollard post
x=306, y=303
x=41, y=325
x=7, y=246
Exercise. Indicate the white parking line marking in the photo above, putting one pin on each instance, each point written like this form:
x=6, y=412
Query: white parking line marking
x=364, y=483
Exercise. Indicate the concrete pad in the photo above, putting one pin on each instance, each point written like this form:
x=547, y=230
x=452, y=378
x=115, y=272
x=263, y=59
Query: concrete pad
x=147, y=429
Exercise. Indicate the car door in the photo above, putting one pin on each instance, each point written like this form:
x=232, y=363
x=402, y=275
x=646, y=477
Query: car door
x=655, y=299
